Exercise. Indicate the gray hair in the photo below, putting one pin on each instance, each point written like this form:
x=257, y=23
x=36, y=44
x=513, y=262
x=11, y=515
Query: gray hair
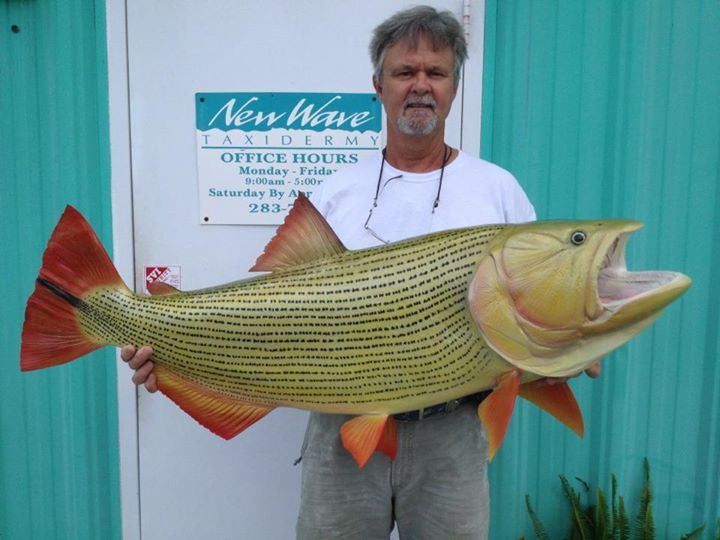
x=441, y=27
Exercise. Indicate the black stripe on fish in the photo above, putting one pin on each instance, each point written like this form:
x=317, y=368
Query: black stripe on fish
x=61, y=293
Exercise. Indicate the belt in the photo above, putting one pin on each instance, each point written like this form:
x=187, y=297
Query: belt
x=441, y=408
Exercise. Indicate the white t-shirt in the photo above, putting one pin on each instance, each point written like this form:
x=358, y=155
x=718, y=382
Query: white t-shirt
x=474, y=192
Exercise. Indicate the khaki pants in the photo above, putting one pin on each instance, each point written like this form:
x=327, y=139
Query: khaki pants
x=435, y=489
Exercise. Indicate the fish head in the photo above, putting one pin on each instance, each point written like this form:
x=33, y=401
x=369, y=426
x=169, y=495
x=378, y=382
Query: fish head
x=552, y=298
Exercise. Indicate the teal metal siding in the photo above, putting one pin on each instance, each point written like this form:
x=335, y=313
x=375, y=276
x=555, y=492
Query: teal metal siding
x=58, y=428
x=612, y=109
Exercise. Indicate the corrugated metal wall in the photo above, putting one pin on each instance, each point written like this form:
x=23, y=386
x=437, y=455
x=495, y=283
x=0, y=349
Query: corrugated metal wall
x=606, y=109
x=58, y=428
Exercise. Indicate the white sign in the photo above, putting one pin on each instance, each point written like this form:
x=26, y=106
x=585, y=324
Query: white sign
x=257, y=151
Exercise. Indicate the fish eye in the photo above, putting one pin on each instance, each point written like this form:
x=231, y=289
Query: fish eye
x=578, y=238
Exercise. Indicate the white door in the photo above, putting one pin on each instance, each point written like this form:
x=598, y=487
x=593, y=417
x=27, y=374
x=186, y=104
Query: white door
x=181, y=481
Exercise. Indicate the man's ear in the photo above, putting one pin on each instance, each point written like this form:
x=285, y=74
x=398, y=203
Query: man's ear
x=377, y=86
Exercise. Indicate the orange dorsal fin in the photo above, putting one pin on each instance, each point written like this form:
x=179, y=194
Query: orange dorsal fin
x=558, y=400
x=160, y=288
x=221, y=414
x=362, y=435
x=496, y=410
x=304, y=236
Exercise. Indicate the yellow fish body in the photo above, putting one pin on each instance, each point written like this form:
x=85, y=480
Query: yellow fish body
x=370, y=332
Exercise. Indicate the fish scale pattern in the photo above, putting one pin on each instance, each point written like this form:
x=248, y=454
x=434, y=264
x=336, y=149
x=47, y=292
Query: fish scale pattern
x=376, y=330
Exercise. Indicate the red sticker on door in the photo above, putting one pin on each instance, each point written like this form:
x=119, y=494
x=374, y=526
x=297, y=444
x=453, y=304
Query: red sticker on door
x=165, y=274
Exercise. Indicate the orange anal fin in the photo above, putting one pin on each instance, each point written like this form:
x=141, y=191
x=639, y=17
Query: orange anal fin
x=496, y=410
x=388, y=441
x=362, y=435
x=221, y=414
x=558, y=400
x=160, y=288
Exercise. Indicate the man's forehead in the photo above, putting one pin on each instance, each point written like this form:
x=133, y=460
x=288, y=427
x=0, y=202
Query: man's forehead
x=408, y=46
x=414, y=41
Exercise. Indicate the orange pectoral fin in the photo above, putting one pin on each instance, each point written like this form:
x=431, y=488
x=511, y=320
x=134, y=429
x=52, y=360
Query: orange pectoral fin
x=219, y=413
x=362, y=435
x=558, y=400
x=496, y=410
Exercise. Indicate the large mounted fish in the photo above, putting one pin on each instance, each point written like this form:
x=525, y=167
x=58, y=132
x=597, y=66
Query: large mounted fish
x=371, y=332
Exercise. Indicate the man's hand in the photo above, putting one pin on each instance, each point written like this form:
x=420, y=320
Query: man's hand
x=592, y=372
x=140, y=361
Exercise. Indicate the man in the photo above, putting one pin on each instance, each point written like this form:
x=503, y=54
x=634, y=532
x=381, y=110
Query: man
x=437, y=485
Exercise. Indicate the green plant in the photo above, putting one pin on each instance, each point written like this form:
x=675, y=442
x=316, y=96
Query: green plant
x=644, y=524
x=603, y=521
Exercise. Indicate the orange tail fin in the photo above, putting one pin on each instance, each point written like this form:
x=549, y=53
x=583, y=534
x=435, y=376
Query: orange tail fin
x=74, y=263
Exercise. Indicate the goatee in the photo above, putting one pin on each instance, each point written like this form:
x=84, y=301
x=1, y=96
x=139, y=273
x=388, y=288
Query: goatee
x=418, y=124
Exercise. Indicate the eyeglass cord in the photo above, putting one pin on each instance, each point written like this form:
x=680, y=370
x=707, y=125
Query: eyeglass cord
x=446, y=158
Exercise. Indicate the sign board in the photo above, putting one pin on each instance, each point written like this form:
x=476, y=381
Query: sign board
x=256, y=151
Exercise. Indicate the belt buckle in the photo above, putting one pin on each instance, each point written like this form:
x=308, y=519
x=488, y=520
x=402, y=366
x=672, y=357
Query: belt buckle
x=451, y=405
x=441, y=408
x=447, y=407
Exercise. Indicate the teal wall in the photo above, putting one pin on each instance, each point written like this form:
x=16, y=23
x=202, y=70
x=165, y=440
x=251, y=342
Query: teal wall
x=612, y=109
x=58, y=428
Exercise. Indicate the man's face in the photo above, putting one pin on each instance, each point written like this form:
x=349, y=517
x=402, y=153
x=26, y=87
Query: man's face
x=417, y=87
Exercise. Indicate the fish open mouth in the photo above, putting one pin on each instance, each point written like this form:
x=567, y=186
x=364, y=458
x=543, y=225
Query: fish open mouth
x=616, y=286
x=553, y=298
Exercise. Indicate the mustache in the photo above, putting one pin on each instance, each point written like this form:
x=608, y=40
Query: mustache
x=419, y=100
